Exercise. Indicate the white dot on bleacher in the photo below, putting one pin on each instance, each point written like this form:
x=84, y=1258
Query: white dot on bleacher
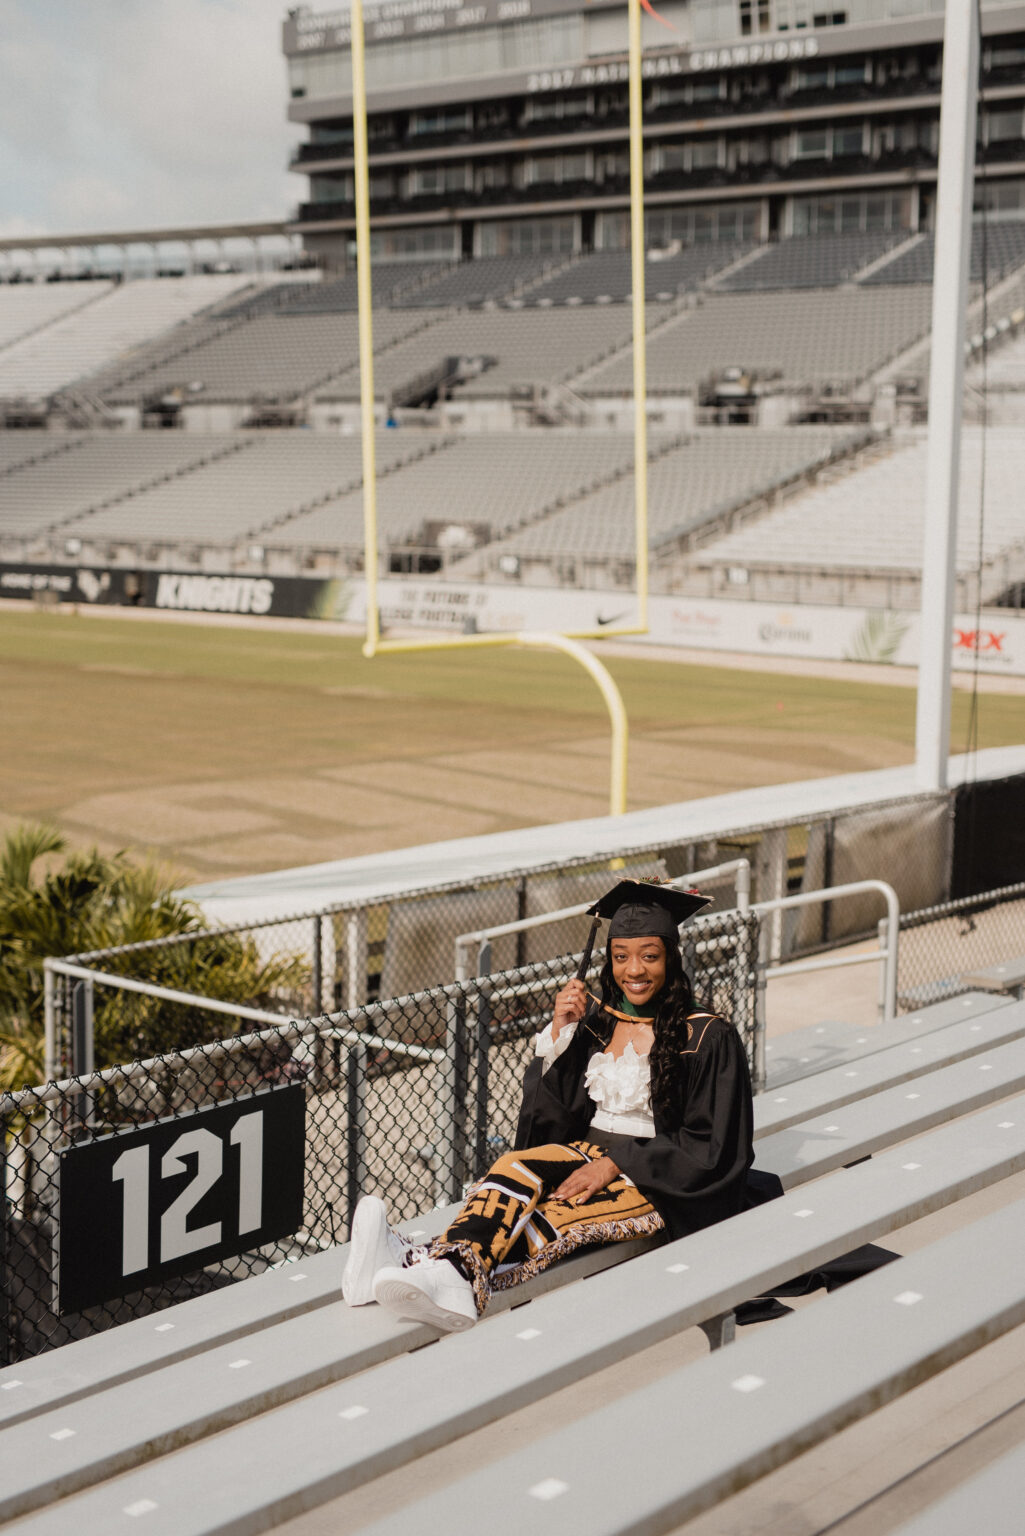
x=140, y=1507
x=850, y=1074
x=418, y=1233
x=908, y=1298
x=1005, y=1125
x=63, y=1434
x=820, y=1031
x=804, y=1059
x=239, y=1365
x=9, y=1386
x=912, y=1095
x=529, y=1333
x=676, y=1269
x=355, y=1412
x=861, y=1040
x=297, y=1277
x=551, y=1488
x=164, y=1328
x=916, y=1050
x=986, y=1066
x=805, y=1212
x=830, y=1127
x=747, y=1383
x=975, y=1029
x=909, y=1166
x=779, y=1101
x=915, y=1019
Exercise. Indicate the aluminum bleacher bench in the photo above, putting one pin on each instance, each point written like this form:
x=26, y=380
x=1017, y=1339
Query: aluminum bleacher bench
x=207, y=1322
x=819, y=1046
x=780, y=1392
x=992, y=1502
x=785, y=1103
x=1008, y=976
x=291, y=1459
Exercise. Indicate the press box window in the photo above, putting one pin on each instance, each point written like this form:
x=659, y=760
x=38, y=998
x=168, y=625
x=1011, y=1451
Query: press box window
x=1001, y=126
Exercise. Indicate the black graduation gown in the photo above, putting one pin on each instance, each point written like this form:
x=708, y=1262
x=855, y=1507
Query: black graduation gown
x=694, y=1169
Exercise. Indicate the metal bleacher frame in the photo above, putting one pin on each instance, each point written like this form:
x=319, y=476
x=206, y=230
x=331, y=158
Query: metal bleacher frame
x=236, y=1382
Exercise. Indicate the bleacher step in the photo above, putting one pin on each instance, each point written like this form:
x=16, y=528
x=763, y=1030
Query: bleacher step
x=780, y=1392
x=300, y=1455
x=829, y=1043
x=792, y=1101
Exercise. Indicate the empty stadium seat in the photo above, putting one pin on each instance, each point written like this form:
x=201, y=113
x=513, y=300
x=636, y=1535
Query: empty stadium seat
x=122, y=317
x=873, y=520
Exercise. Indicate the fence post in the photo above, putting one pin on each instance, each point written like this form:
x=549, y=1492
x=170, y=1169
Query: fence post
x=760, y=960
x=481, y=1156
x=6, y=1342
x=355, y=1125
x=82, y=1044
x=50, y=1023
x=355, y=959
x=318, y=967
x=451, y=1137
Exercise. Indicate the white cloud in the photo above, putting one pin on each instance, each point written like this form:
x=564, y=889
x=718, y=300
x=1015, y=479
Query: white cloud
x=131, y=113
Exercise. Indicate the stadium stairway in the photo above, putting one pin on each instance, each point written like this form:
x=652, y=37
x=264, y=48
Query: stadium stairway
x=257, y=1405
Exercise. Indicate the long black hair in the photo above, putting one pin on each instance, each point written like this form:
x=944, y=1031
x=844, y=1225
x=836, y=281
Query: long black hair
x=675, y=1001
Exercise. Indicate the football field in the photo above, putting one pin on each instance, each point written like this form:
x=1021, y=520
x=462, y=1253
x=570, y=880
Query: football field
x=227, y=750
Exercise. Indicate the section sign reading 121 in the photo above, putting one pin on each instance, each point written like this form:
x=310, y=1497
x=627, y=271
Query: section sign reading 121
x=141, y=1207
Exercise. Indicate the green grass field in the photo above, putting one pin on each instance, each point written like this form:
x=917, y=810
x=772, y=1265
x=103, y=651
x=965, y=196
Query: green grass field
x=229, y=750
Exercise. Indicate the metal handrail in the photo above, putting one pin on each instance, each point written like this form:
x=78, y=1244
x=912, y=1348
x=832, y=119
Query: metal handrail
x=887, y=954
x=483, y=936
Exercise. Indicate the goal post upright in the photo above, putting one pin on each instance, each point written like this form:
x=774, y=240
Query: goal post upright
x=569, y=644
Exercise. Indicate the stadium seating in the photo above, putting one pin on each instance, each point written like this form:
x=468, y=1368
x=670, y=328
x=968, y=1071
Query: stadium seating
x=123, y=317
x=607, y=276
x=484, y=281
x=48, y=491
x=498, y=479
x=187, y=1421
x=687, y=485
x=997, y=248
x=24, y=307
x=389, y=284
x=873, y=520
x=810, y=261
x=810, y=336
x=273, y=356
x=250, y=482
x=528, y=346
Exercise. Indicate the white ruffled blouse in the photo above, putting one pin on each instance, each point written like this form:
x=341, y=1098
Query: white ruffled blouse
x=619, y=1085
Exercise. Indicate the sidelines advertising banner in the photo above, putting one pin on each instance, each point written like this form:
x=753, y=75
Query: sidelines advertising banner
x=876, y=635
x=763, y=629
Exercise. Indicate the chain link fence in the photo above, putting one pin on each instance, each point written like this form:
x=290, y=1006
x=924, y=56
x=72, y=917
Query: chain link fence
x=409, y=1098
x=941, y=946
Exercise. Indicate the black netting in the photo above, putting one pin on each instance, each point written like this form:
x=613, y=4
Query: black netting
x=409, y=1098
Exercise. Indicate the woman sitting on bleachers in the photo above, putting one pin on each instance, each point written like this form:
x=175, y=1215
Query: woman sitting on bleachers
x=636, y=1118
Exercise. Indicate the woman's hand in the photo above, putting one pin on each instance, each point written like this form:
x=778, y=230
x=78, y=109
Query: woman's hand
x=587, y=1180
x=570, y=1005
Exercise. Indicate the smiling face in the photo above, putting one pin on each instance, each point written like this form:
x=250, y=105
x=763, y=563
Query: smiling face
x=638, y=968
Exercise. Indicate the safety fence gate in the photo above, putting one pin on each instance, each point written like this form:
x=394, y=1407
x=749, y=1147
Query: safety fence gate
x=132, y=1187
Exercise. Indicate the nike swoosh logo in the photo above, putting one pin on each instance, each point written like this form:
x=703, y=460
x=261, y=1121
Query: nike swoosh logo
x=612, y=618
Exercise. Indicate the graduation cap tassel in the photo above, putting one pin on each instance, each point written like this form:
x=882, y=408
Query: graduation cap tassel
x=585, y=958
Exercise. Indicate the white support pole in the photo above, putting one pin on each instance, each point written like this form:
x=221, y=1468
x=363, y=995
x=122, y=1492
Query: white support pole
x=946, y=383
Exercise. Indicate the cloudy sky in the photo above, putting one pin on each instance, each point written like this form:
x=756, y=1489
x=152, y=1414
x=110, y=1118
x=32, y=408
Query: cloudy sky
x=117, y=114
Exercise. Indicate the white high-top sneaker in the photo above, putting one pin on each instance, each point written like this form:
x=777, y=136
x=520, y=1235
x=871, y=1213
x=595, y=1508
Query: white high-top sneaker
x=372, y=1246
x=432, y=1291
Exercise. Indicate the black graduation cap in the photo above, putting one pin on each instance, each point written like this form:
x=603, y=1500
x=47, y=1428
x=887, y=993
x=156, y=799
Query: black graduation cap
x=639, y=909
